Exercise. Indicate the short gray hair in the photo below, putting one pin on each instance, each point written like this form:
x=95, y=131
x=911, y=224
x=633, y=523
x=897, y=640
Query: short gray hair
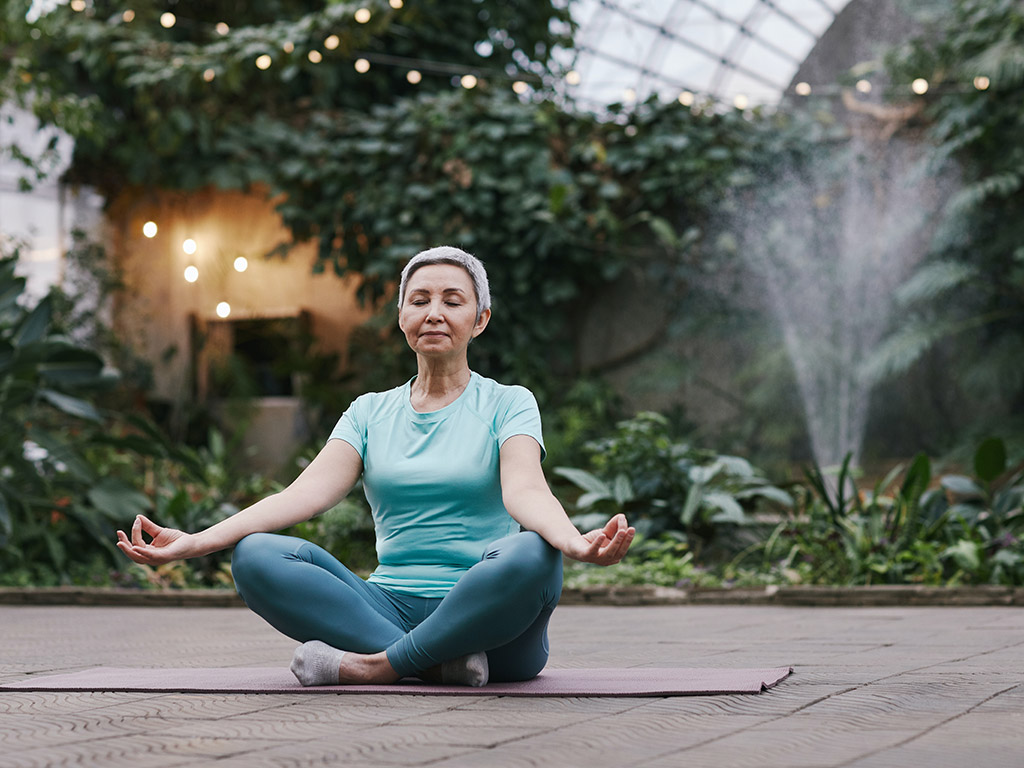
x=447, y=254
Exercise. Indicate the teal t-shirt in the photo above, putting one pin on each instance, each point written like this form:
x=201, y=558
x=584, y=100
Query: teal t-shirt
x=432, y=479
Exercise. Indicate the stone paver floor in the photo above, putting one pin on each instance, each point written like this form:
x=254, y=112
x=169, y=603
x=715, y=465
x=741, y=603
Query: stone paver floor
x=872, y=687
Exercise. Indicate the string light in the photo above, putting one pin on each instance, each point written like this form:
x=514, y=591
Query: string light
x=78, y=5
x=288, y=47
x=396, y=4
x=982, y=83
x=263, y=61
x=189, y=246
x=413, y=76
x=919, y=86
x=149, y=229
x=520, y=87
x=803, y=89
x=128, y=16
x=741, y=101
x=629, y=95
x=241, y=264
x=468, y=81
x=315, y=56
x=222, y=28
x=168, y=20
x=208, y=75
x=362, y=15
x=332, y=42
x=572, y=77
x=191, y=273
x=686, y=98
x=362, y=66
x=863, y=86
x=223, y=309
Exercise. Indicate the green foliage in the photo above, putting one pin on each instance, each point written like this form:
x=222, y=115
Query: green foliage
x=965, y=531
x=663, y=484
x=53, y=502
x=966, y=301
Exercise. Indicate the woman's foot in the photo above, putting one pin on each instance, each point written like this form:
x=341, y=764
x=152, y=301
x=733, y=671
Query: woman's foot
x=317, y=663
x=470, y=670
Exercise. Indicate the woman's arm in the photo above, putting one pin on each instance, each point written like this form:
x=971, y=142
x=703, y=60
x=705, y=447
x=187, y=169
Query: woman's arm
x=531, y=503
x=322, y=484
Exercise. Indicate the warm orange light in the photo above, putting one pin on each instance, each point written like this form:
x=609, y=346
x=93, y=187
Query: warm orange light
x=149, y=229
x=191, y=273
x=223, y=309
x=168, y=20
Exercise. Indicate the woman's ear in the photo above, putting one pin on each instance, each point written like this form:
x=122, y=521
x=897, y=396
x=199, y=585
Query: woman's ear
x=481, y=322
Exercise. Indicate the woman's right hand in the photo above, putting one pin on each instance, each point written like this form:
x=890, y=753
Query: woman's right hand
x=167, y=544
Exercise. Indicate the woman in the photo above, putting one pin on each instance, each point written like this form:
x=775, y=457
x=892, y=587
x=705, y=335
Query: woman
x=469, y=537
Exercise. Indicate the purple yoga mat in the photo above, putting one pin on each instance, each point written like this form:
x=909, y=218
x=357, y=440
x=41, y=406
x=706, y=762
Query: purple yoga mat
x=670, y=681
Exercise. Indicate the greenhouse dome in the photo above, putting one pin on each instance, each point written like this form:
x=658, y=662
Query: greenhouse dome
x=743, y=52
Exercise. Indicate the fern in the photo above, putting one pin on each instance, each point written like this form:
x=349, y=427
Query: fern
x=935, y=279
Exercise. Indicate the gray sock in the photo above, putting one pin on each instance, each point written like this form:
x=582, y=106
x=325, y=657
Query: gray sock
x=316, y=663
x=466, y=670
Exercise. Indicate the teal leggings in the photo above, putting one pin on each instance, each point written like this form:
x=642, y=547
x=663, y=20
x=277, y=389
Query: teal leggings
x=501, y=605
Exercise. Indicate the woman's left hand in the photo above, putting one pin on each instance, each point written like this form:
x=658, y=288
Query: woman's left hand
x=603, y=546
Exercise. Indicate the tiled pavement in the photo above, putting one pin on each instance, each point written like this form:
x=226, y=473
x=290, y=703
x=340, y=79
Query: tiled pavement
x=872, y=688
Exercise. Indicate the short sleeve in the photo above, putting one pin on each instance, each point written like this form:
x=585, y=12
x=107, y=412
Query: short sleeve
x=521, y=416
x=351, y=427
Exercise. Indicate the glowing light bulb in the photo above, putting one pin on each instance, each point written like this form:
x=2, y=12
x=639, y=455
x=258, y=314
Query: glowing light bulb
x=741, y=101
x=572, y=77
x=208, y=75
x=191, y=274
x=362, y=66
x=332, y=42
x=863, y=86
x=241, y=264
x=288, y=46
x=223, y=309
x=468, y=81
x=315, y=56
x=395, y=3
x=128, y=16
x=803, y=89
x=520, y=87
x=919, y=86
x=629, y=95
x=222, y=28
x=362, y=15
x=78, y=5
x=413, y=76
x=149, y=229
x=189, y=246
x=686, y=98
x=168, y=20
x=982, y=83
x=263, y=61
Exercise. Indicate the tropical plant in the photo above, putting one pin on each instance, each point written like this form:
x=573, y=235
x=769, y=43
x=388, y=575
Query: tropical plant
x=664, y=484
x=55, y=507
x=966, y=301
x=962, y=530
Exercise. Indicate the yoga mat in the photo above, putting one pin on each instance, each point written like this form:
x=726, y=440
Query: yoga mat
x=552, y=682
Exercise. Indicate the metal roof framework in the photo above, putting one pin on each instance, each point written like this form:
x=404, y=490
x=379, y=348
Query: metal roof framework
x=735, y=51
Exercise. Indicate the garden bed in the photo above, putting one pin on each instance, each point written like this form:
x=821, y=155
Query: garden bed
x=874, y=596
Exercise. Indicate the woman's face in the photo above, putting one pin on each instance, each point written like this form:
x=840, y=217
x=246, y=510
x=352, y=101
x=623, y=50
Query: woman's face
x=438, y=314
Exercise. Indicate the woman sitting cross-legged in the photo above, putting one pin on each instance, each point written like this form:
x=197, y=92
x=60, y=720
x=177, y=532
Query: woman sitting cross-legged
x=469, y=537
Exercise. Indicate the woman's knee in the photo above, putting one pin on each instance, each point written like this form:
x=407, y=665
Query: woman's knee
x=529, y=556
x=251, y=556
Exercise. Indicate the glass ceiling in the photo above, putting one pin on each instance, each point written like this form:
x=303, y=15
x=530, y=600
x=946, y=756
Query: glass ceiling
x=745, y=50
